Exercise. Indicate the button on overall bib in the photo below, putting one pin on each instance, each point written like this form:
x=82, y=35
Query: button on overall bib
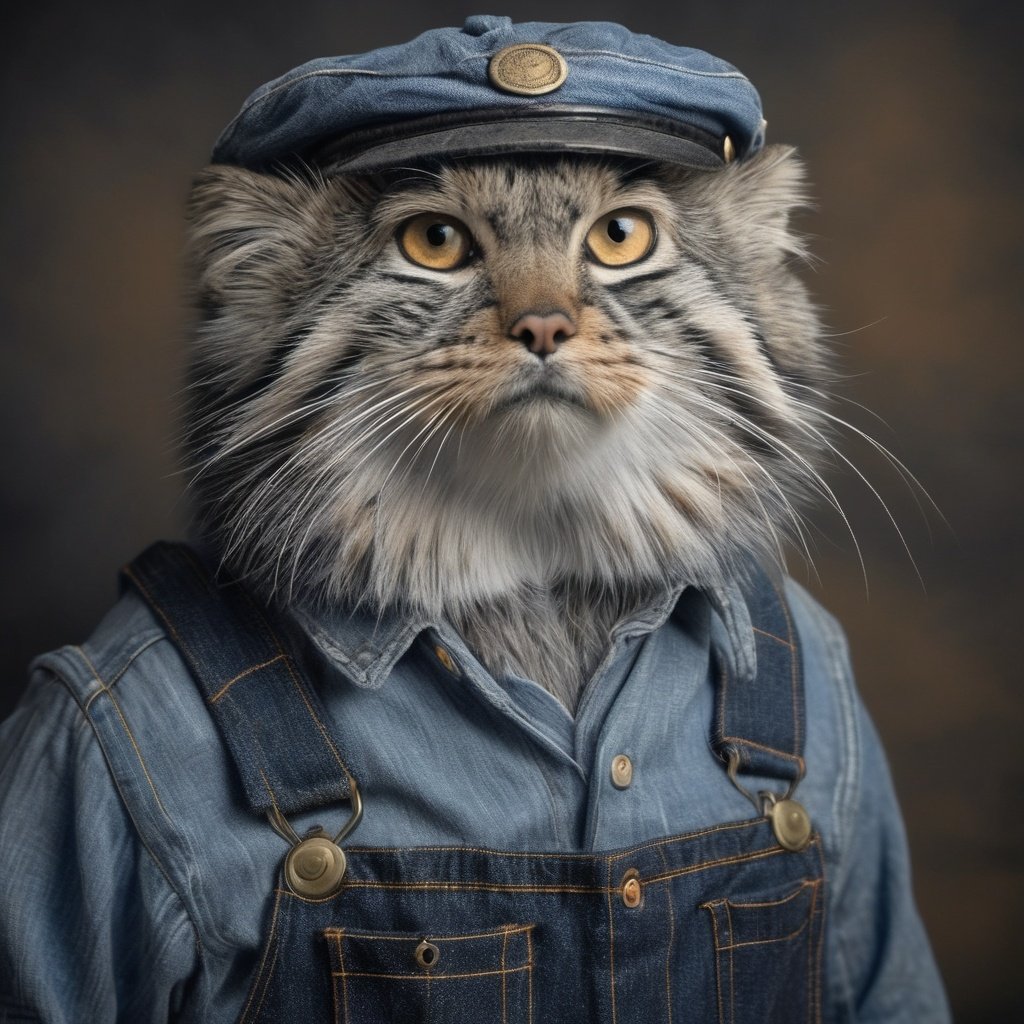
x=723, y=924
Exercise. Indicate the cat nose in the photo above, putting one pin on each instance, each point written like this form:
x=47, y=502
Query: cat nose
x=541, y=334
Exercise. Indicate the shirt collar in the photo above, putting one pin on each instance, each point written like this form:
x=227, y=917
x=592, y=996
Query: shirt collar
x=366, y=646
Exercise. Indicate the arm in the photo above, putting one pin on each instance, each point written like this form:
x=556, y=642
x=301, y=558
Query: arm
x=90, y=928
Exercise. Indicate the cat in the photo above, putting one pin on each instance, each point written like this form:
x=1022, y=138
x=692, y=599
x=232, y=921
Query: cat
x=523, y=394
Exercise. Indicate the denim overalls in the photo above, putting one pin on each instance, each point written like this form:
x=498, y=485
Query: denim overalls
x=454, y=934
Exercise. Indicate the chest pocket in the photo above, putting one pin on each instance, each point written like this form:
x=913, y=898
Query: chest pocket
x=768, y=950
x=380, y=977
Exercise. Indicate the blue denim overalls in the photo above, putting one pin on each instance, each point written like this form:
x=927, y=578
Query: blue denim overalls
x=659, y=932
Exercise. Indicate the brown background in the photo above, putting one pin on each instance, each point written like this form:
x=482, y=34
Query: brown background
x=909, y=119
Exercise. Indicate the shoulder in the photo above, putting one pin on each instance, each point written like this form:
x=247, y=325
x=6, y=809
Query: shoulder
x=146, y=735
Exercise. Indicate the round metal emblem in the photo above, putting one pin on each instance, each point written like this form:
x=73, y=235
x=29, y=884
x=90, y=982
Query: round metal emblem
x=315, y=868
x=791, y=824
x=527, y=69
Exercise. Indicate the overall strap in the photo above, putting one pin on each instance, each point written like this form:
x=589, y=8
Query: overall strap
x=271, y=719
x=759, y=722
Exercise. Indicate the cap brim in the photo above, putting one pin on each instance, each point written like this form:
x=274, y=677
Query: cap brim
x=482, y=133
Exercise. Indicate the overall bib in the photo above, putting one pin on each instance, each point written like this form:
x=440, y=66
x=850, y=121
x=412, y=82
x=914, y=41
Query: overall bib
x=724, y=924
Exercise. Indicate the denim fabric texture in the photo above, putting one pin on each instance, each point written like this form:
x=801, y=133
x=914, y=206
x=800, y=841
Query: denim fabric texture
x=146, y=883
x=445, y=71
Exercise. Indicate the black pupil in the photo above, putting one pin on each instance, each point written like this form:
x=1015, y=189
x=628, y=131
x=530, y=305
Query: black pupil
x=438, y=234
x=619, y=228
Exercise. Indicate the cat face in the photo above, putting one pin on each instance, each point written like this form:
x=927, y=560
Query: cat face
x=435, y=385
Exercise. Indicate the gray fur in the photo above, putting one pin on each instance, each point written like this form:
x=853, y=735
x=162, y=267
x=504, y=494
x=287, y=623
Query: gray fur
x=346, y=422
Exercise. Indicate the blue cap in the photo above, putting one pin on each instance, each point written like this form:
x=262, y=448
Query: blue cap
x=495, y=87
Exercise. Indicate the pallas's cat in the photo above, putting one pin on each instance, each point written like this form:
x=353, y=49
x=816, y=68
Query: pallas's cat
x=522, y=394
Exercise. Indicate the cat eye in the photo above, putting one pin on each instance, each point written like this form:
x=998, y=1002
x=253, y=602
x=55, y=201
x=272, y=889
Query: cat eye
x=435, y=240
x=621, y=237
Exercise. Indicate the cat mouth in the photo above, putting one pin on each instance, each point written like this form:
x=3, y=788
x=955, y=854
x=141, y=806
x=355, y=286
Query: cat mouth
x=543, y=390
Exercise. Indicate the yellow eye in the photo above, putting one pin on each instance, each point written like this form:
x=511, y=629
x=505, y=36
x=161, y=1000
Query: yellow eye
x=435, y=240
x=621, y=237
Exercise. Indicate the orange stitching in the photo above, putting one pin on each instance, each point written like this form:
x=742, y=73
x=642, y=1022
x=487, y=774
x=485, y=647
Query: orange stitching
x=821, y=938
x=296, y=682
x=793, y=663
x=718, y=960
x=774, y=903
x=259, y=979
x=771, y=851
x=504, y=930
x=344, y=979
x=270, y=792
x=732, y=969
x=529, y=975
x=762, y=746
x=611, y=941
x=810, y=958
x=160, y=611
x=764, y=942
x=241, y=675
x=124, y=724
x=686, y=836
x=671, y=938
x=504, y=983
x=132, y=658
x=667, y=841
x=476, y=887
x=772, y=636
x=429, y=977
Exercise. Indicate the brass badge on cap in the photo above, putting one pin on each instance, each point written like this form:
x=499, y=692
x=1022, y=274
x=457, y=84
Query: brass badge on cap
x=527, y=69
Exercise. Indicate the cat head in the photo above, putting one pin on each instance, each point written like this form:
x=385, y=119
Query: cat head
x=434, y=385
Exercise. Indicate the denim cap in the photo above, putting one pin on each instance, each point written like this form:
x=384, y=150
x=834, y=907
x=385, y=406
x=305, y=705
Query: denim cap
x=496, y=87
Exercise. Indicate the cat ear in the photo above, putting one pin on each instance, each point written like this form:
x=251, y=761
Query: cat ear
x=246, y=231
x=758, y=195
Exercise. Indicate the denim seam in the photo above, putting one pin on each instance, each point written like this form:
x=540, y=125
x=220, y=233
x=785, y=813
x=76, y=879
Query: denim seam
x=104, y=688
x=529, y=976
x=116, y=678
x=732, y=967
x=671, y=937
x=772, y=636
x=804, y=885
x=432, y=976
x=611, y=941
x=296, y=682
x=718, y=959
x=506, y=930
x=200, y=949
x=780, y=938
x=761, y=746
x=264, y=974
x=504, y=980
x=668, y=841
x=241, y=675
x=770, y=851
x=798, y=726
x=819, y=956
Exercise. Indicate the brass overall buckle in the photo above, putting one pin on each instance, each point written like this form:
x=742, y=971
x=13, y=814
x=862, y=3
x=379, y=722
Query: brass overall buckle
x=790, y=822
x=315, y=866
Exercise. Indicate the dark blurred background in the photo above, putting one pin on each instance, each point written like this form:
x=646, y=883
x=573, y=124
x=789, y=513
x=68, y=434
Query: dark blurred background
x=909, y=119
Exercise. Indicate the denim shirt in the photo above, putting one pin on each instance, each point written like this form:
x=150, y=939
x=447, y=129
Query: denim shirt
x=143, y=884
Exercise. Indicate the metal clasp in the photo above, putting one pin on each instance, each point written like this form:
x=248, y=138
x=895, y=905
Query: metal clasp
x=315, y=866
x=790, y=821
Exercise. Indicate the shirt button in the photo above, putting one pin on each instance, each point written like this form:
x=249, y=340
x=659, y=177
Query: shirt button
x=446, y=659
x=631, y=892
x=622, y=771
